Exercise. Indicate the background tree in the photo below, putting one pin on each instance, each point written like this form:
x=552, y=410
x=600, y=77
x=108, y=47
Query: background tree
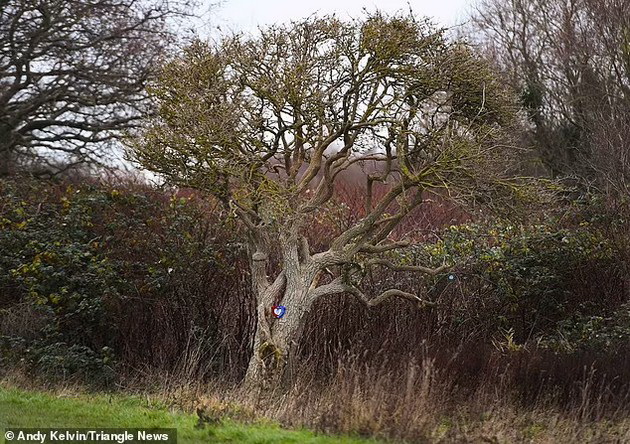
x=570, y=60
x=73, y=75
x=269, y=124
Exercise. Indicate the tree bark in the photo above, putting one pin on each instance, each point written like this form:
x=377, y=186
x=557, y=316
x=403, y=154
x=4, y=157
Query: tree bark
x=274, y=356
x=275, y=340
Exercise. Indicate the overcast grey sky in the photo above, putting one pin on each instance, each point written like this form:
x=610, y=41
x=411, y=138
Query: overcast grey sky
x=246, y=15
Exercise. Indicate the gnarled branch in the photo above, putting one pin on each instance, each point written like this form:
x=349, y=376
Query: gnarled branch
x=418, y=268
x=382, y=248
x=387, y=294
x=339, y=285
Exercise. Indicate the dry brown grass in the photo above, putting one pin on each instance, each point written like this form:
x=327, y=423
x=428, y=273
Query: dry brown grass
x=421, y=398
x=415, y=401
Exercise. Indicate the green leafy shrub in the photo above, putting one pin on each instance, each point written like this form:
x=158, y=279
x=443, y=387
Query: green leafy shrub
x=59, y=360
x=50, y=261
x=526, y=279
x=91, y=276
x=610, y=333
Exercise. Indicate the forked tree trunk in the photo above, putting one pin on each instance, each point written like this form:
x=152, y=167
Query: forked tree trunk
x=274, y=358
x=297, y=288
x=275, y=340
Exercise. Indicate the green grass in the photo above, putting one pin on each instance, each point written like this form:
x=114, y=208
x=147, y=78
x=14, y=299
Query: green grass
x=20, y=408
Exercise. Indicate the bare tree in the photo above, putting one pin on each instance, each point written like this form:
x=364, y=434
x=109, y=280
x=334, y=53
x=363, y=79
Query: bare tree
x=73, y=75
x=570, y=60
x=268, y=124
x=609, y=129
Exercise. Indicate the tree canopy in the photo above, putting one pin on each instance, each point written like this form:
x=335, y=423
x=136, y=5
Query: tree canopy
x=73, y=75
x=276, y=115
x=269, y=124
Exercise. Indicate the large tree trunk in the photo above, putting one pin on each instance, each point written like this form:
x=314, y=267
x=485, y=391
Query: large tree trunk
x=275, y=341
x=274, y=357
x=297, y=287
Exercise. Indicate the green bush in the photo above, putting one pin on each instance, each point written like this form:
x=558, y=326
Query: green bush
x=59, y=360
x=525, y=279
x=91, y=275
x=51, y=261
x=610, y=333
